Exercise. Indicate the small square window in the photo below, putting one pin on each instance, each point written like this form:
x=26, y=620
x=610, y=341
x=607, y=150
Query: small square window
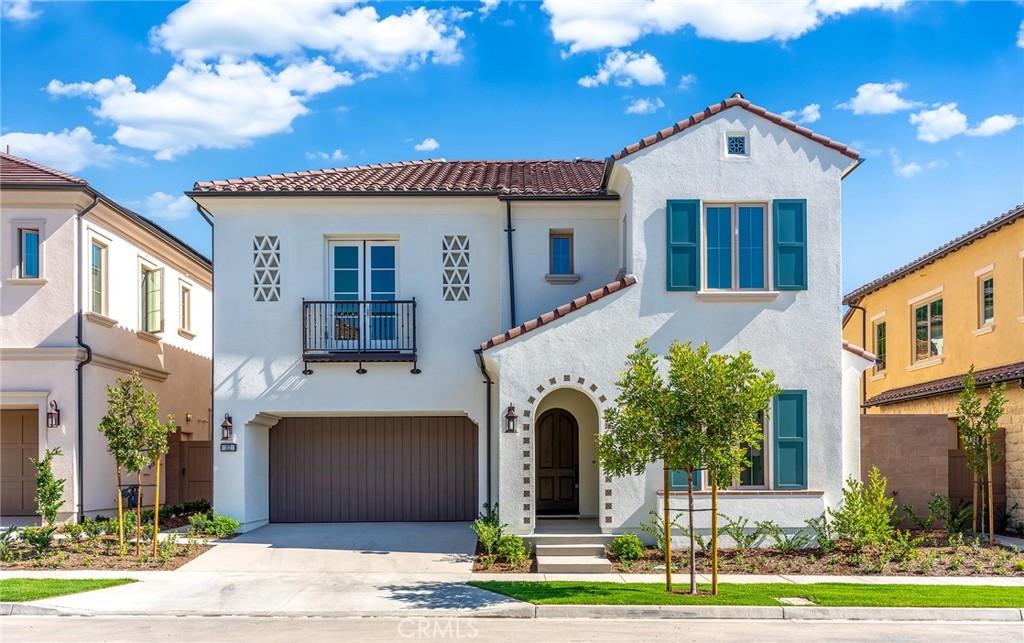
x=736, y=145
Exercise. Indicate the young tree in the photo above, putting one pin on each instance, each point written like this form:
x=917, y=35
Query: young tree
x=49, y=488
x=722, y=396
x=977, y=425
x=645, y=428
x=131, y=418
x=155, y=446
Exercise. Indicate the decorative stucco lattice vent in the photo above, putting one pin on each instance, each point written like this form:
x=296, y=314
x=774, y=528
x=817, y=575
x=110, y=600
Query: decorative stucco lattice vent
x=737, y=145
x=455, y=257
x=266, y=259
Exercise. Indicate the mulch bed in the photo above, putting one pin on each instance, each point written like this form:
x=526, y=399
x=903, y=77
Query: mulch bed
x=483, y=563
x=101, y=553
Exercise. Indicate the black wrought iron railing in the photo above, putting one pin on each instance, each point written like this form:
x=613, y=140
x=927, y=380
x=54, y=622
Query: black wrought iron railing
x=359, y=331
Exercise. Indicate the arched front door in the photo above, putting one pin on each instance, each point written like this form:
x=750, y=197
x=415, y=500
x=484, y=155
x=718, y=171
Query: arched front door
x=558, y=464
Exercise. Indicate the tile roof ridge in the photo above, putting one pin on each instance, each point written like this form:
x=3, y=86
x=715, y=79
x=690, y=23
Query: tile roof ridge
x=43, y=168
x=859, y=351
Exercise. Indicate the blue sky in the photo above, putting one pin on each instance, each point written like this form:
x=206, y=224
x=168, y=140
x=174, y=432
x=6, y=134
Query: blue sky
x=145, y=98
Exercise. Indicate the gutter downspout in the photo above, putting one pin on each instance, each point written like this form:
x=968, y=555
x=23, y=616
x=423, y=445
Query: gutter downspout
x=864, y=343
x=80, y=376
x=511, y=265
x=203, y=212
x=488, y=382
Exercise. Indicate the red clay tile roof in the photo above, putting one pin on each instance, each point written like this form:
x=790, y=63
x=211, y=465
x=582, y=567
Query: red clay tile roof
x=1004, y=219
x=560, y=312
x=859, y=351
x=736, y=100
x=954, y=384
x=581, y=177
x=15, y=171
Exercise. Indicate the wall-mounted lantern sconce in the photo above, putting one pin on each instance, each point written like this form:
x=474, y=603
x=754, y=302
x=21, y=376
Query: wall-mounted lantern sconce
x=188, y=417
x=227, y=429
x=510, y=419
x=53, y=416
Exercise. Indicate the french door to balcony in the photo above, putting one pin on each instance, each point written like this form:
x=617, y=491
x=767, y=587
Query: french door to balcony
x=363, y=279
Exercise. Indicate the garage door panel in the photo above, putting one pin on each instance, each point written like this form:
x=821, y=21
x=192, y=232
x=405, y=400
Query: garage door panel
x=373, y=469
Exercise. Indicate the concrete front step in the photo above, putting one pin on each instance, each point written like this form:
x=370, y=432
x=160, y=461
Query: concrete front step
x=573, y=565
x=569, y=539
x=567, y=549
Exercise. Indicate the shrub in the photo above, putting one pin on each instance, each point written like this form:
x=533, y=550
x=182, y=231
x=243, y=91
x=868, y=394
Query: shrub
x=513, y=549
x=782, y=541
x=49, y=488
x=956, y=518
x=865, y=519
x=7, y=541
x=213, y=525
x=823, y=533
x=487, y=533
x=40, y=539
x=902, y=546
x=656, y=528
x=737, y=531
x=627, y=548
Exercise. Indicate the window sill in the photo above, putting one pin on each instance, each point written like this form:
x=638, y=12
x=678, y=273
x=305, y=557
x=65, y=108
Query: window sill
x=984, y=330
x=19, y=281
x=186, y=334
x=737, y=295
x=740, y=493
x=877, y=376
x=102, y=320
x=561, y=280
x=148, y=336
x=925, y=363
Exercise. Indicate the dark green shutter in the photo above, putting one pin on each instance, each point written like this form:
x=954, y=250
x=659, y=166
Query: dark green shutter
x=677, y=480
x=790, y=233
x=683, y=217
x=790, y=436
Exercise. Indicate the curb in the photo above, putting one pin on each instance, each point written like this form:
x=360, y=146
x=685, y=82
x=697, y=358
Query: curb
x=27, y=609
x=738, y=612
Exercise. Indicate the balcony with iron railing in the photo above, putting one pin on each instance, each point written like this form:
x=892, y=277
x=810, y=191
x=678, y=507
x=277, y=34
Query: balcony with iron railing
x=359, y=331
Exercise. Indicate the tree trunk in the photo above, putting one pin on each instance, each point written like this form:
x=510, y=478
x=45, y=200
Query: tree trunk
x=974, y=503
x=138, y=515
x=156, y=509
x=991, y=493
x=714, y=535
x=693, y=554
x=120, y=514
x=668, y=534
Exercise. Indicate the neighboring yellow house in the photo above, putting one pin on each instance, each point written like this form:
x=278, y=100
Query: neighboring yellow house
x=928, y=321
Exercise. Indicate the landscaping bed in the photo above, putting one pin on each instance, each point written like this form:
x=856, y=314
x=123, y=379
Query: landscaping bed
x=101, y=552
x=20, y=590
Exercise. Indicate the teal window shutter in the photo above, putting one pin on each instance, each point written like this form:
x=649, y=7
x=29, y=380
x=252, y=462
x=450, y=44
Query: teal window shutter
x=683, y=217
x=677, y=480
x=790, y=232
x=790, y=437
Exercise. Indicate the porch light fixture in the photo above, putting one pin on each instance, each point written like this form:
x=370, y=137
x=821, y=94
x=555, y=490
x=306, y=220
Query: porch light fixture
x=510, y=419
x=53, y=416
x=227, y=429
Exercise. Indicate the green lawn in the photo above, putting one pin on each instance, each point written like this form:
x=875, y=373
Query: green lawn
x=824, y=594
x=19, y=590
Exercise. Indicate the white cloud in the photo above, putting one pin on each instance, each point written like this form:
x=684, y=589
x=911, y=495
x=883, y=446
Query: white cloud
x=166, y=207
x=907, y=170
x=336, y=155
x=807, y=115
x=625, y=68
x=995, y=125
x=943, y=122
x=879, y=98
x=349, y=33
x=586, y=26
x=687, y=82
x=487, y=6
x=19, y=10
x=428, y=145
x=1020, y=35
x=226, y=105
x=645, y=106
x=67, y=150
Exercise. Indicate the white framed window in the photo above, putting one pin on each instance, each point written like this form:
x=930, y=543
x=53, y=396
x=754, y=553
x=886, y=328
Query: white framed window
x=184, y=307
x=561, y=252
x=29, y=263
x=735, y=246
x=927, y=331
x=986, y=300
x=879, y=331
x=755, y=476
x=98, y=278
x=151, y=298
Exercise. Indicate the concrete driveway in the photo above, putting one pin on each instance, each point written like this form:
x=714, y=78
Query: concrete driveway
x=434, y=548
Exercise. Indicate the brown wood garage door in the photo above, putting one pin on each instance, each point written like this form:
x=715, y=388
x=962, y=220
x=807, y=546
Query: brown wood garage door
x=373, y=469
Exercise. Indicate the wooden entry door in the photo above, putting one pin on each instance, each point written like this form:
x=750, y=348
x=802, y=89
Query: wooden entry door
x=19, y=441
x=558, y=464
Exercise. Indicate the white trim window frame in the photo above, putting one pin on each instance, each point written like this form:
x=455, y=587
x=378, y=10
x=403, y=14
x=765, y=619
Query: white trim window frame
x=927, y=330
x=879, y=338
x=184, y=306
x=736, y=250
x=765, y=482
x=151, y=297
x=98, y=277
x=986, y=300
x=21, y=231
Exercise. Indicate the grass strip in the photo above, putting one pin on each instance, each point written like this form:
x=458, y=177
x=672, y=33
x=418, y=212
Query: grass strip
x=822, y=594
x=19, y=590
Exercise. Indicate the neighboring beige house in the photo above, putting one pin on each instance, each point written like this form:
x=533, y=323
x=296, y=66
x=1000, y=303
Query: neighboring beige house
x=92, y=291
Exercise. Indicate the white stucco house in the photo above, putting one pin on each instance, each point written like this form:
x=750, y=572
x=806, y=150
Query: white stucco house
x=92, y=291
x=374, y=325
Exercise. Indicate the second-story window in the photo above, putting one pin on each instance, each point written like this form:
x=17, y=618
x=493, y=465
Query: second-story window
x=185, y=308
x=561, y=248
x=986, y=301
x=98, y=278
x=28, y=267
x=880, y=346
x=928, y=330
x=735, y=243
x=151, y=318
